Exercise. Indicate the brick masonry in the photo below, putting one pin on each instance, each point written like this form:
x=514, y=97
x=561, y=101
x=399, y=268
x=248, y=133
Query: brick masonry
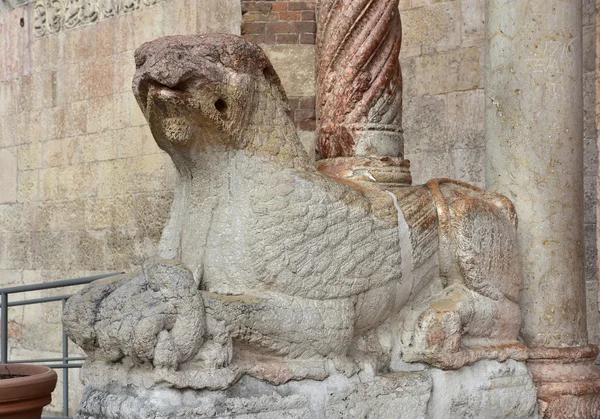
x=279, y=22
x=302, y=112
x=284, y=23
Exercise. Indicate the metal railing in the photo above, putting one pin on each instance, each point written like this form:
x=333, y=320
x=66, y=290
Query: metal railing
x=56, y=363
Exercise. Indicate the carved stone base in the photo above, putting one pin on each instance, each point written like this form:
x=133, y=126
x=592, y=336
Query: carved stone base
x=567, y=382
x=486, y=389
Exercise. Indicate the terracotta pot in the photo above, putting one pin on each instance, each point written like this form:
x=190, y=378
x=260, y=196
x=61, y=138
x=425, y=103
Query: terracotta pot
x=24, y=397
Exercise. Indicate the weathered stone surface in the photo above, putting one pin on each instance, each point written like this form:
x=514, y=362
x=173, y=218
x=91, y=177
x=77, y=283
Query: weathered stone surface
x=486, y=389
x=534, y=109
x=155, y=317
x=313, y=281
x=297, y=80
x=336, y=397
x=8, y=175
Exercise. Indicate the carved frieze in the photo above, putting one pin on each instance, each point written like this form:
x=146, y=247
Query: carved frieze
x=52, y=16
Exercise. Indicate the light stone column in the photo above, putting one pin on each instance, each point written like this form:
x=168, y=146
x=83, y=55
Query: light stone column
x=534, y=139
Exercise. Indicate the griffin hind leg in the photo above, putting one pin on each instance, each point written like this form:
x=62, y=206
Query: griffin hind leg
x=477, y=315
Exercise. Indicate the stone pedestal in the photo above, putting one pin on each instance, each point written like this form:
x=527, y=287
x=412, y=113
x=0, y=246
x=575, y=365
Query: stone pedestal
x=534, y=120
x=489, y=389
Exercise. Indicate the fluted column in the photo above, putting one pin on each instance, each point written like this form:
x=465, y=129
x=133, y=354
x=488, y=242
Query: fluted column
x=534, y=140
x=359, y=83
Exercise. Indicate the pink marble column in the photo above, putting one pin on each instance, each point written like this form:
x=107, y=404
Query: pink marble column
x=359, y=83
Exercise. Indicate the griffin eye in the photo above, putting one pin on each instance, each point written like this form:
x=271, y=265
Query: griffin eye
x=221, y=105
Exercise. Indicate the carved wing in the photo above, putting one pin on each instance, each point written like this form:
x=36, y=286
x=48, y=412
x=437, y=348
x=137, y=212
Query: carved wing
x=315, y=238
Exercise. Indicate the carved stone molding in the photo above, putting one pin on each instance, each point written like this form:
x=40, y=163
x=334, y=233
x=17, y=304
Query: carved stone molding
x=359, y=80
x=567, y=381
x=53, y=16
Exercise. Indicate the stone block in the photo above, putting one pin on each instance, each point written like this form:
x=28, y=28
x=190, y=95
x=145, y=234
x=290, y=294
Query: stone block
x=25, y=98
x=35, y=130
x=147, y=25
x=486, y=389
x=77, y=119
x=61, y=215
x=10, y=278
x=469, y=165
x=143, y=214
x=125, y=250
x=589, y=105
x=427, y=165
x=593, y=315
x=16, y=217
x=28, y=185
x=59, y=152
x=89, y=250
x=223, y=16
x=106, y=31
x=431, y=29
x=136, y=141
x=150, y=213
x=106, y=113
x=96, y=79
x=589, y=12
x=29, y=156
x=97, y=147
x=18, y=250
x=83, y=46
x=591, y=253
x=15, y=129
x=10, y=91
x=45, y=52
x=49, y=250
x=32, y=276
x=473, y=23
x=124, y=36
x=68, y=84
x=8, y=175
x=589, y=49
x=49, y=184
x=389, y=396
x=448, y=71
x=110, y=212
x=589, y=199
x=136, y=117
x=404, y=5
x=140, y=174
x=124, y=68
x=179, y=17
x=38, y=334
x=297, y=80
x=465, y=117
x=43, y=90
x=54, y=120
x=424, y=123
x=78, y=181
x=590, y=156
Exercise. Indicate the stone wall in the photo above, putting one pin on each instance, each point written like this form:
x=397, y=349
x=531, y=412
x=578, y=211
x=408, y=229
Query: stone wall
x=442, y=64
x=83, y=187
x=85, y=190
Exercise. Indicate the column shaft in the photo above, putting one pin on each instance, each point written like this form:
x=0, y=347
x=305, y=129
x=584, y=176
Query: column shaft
x=534, y=133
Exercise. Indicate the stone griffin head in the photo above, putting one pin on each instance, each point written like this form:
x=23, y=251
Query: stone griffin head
x=212, y=93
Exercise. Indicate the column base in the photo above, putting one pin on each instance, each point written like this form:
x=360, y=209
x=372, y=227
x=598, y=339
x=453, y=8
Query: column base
x=567, y=381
